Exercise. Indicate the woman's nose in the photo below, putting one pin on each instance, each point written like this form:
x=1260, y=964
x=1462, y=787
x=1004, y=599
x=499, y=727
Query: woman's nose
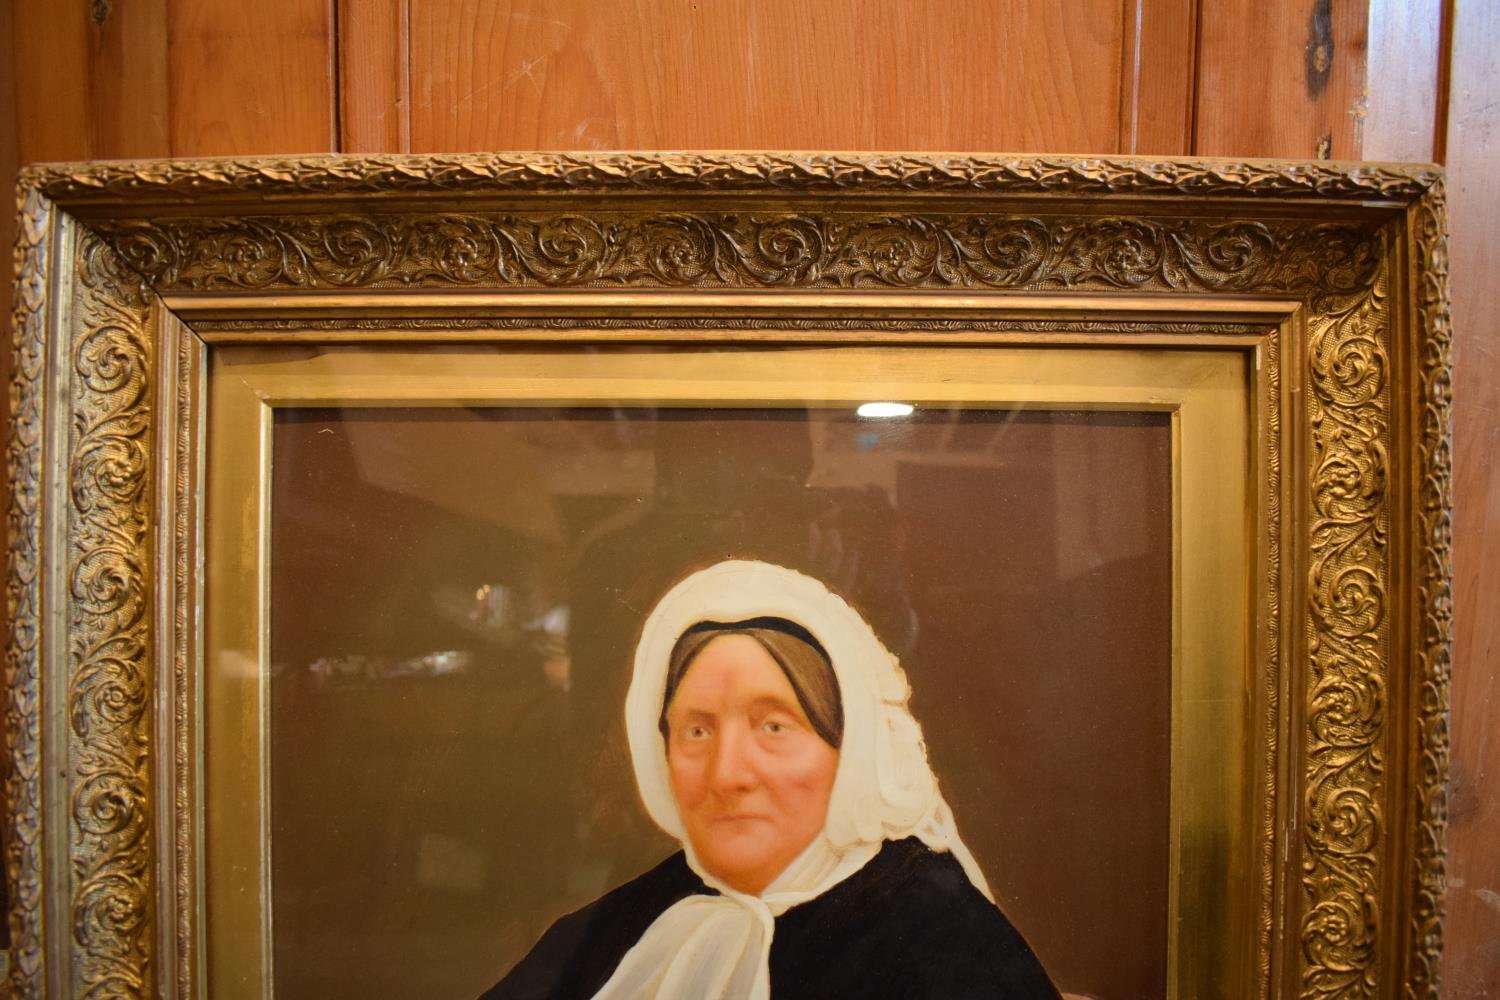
x=732, y=768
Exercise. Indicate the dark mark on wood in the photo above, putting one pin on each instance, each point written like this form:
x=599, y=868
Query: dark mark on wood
x=1319, y=48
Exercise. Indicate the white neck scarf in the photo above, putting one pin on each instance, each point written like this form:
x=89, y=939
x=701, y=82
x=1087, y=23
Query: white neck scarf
x=707, y=947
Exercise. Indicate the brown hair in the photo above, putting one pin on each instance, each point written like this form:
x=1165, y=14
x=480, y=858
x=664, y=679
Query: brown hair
x=796, y=651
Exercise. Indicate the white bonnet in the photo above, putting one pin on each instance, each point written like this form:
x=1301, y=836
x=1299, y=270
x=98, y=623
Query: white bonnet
x=884, y=789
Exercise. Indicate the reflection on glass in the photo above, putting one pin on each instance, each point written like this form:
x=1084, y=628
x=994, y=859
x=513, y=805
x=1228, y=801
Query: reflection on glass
x=456, y=595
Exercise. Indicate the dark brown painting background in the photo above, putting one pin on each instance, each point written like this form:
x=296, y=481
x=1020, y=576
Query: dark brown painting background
x=455, y=596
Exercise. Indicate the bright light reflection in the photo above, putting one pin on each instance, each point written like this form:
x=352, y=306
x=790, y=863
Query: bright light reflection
x=885, y=409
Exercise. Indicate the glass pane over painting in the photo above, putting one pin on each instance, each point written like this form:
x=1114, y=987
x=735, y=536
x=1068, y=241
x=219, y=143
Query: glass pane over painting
x=455, y=598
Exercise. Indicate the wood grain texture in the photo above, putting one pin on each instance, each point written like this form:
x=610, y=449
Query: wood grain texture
x=1280, y=78
x=1472, y=966
x=1404, y=72
x=127, y=78
x=91, y=81
x=54, y=120
x=838, y=74
x=374, y=76
x=1158, y=62
x=9, y=162
x=251, y=77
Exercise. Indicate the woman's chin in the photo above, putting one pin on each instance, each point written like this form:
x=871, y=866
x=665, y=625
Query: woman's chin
x=746, y=870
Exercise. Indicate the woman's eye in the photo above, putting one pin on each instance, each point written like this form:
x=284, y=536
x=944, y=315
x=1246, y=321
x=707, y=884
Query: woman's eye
x=773, y=727
x=697, y=732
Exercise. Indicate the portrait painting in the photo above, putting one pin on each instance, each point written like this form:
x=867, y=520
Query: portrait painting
x=740, y=576
x=546, y=577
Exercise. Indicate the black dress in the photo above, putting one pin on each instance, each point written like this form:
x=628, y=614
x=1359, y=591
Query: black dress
x=908, y=925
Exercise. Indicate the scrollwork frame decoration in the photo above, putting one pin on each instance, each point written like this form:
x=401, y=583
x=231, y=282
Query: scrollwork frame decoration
x=1332, y=276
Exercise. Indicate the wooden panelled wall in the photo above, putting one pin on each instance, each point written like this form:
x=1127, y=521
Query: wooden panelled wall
x=1342, y=79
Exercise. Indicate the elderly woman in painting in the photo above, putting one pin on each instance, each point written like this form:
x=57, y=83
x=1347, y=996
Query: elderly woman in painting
x=770, y=736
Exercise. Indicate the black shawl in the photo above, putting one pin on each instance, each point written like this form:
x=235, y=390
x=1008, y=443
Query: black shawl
x=908, y=925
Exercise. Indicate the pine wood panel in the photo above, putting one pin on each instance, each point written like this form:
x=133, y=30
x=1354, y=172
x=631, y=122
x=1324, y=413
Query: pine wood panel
x=50, y=57
x=1155, y=53
x=1280, y=78
x=127, y=75
x=9, y=161
x=1405, y=71
x=1472, y=967
x=837, y=74
x=1158, y=62
x=251, y=77
x=374, y=76
x=91, y=81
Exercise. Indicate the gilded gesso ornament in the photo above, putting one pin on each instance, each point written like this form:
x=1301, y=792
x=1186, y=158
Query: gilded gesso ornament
x=534, y=224
x=846, y=250
x=1335, y=266
x=1274, y=613
x=1348, y=652
x=1434, y=503
x=695, y=324
x=110, y=680
x=481, y=174
x=182, y=906
x=23, y=730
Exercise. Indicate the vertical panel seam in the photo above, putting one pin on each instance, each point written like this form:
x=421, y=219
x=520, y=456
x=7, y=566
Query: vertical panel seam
x=336, y=139
x=1446, y=16
x=1195, y=73
x=1131, y=26
x=403, y=120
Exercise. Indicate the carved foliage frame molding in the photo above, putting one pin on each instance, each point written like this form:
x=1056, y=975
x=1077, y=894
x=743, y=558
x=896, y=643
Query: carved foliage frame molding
x=1356, y=541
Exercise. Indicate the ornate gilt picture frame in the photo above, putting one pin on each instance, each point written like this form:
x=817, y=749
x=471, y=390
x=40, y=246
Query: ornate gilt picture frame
x=1291, y=321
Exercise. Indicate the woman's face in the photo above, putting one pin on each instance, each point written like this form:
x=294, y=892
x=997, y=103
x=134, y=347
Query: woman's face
x=751, y=777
